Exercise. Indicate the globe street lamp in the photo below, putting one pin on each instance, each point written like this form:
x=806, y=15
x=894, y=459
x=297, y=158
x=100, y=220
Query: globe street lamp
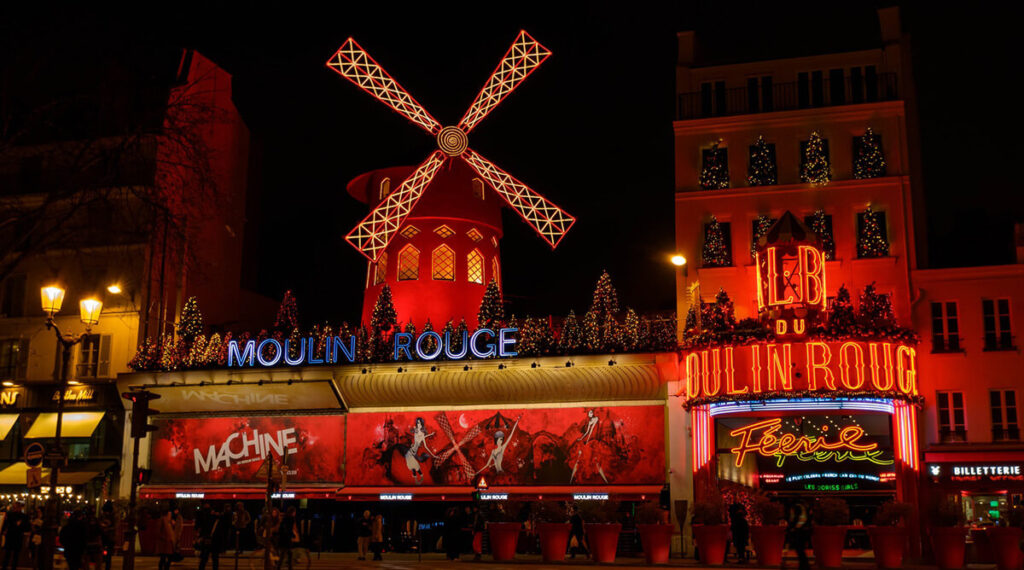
x=52, y=297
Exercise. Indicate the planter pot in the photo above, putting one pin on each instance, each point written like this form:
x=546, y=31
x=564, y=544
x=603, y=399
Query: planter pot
x=503, y=537
x=1005, y=547
x=554, y=538
x=711, y=541
x=888, y=542
x=604, y=540
x=657, y=541
x=828, y=545
x=768, y=543
x=949, y=544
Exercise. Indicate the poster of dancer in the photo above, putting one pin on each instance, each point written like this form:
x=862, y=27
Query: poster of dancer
x=547, y=446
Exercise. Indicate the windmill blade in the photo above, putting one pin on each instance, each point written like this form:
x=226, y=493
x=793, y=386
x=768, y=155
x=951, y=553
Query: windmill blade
x=353, y=63
x=524, y=56
x=374, y=233
x=550, y=221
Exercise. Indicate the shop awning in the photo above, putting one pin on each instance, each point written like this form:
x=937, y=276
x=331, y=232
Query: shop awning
x=6, y=423
x=75, y=424
x=220, y=492
x=14, y=474
x=615, y=492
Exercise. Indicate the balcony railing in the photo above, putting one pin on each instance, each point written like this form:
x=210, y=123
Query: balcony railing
x=1001, y=341
x=947, y=435
x=947, y=344
x=1009, y=433
x=785, y=97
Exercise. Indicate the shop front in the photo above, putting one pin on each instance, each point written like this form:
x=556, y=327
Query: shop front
x=985, y=485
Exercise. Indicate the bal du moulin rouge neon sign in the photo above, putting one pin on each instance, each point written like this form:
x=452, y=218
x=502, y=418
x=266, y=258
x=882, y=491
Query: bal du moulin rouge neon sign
x=429, y=345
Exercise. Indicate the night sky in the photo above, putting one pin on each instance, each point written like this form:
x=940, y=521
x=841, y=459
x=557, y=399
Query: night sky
x=591, y=129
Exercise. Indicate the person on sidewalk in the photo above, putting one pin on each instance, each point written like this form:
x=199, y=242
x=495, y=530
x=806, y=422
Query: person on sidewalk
x=365, y=533
x=740, y=530
x=577, y=539
x=108, y=529
x=799, y=531
x=13, y=530
x=377, y=536
x=287, y=538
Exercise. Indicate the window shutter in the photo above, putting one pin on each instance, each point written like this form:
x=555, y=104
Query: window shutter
x=103, y=370
x=21, y=371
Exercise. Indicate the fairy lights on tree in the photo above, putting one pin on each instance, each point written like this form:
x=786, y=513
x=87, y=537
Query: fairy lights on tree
x=875, y=313
x=491, y=313
x=605, y=298
x=871, y=241
x=870, y=160
x=820, y=225
x=716, y=253
x=631, y=331
x=714, y=175
x=815, y=168
x=287, y=314
x=571, y=338
x=761, y=170
x=761, y=226
x=190, y=322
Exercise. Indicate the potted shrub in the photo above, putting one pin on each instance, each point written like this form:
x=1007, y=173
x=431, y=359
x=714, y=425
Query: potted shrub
x=553, y=527
x=655, y=533
x=888, y=538
x=1005, y=541
x=830, y=519
x=948, y=534
x=769, y=537
x=602, y=528
x=710, y=532
x=503, y=530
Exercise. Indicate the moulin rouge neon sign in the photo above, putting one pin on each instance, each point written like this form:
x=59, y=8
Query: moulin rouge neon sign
x=429, y=345
x=846, y=447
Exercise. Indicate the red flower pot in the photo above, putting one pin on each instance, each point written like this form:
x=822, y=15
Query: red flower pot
x=503, y=537
x=554, y=538
x=711, y=540
x=1005, y=547
x=949, y=544
x=657, y=541
x=768, y=543
x=828, y=545
x=888, y=542
x=603, y=540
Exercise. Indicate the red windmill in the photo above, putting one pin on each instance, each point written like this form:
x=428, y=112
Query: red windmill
x=436, y=259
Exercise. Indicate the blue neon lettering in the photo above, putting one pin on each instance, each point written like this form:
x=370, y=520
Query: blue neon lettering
x=491, y=349
x=402, y=342
x=504, y=340
x=448, y=346
x=347, y=350
x=277, y=352
x=244, y=359
x=311, y=354
x=288, y=351
x=419, y=346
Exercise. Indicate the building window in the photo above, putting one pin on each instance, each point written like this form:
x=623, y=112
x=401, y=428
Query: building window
x=444, y=231
x=13, y=357
x=996, y=316
x=409, y=232
x=475, y=235
x=93, y=357
x=836, y=88
x=442, y=263
x=758, y=229
x=408, y=264
x=952, y=422
x=821, y=224
x=385, y=189
x=475, y=267
x=759, y=94
x=717, y=250
x=14, y=297
x=496, y=271
x=380, y=269
x=1004, y=415
x=478, y=188
x=712, y=98
x=945, y=327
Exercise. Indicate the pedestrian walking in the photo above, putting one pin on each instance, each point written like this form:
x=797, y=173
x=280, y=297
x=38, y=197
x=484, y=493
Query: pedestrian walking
x=206, y=525
x=577, y=540
x=377, y=536
x=287, y=537
x=108, y=532
x=479, y=525
x=73, y=539
x=240, y=521
x=799, y=531
x=13, y=530
x=740, y=530
x=365, y=533
x=165, y=540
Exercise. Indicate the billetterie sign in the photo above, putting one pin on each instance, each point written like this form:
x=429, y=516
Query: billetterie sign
x=428, y=345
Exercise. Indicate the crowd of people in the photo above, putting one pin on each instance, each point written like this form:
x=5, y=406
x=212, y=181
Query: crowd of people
x=87, y=539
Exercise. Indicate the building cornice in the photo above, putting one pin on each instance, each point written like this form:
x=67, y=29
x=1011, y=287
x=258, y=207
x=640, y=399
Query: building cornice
x=896, y=182
x=781, y=119
x=1010, y=271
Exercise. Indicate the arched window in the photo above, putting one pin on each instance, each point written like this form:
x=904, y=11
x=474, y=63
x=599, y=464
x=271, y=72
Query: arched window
x=380, y=269
x=385, y=189
x=496, y=271
x=475, y=267
x=442, y=262
x=408, y=263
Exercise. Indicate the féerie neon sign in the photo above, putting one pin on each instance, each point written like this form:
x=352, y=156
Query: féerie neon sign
x=429, y=345
x=846, y=447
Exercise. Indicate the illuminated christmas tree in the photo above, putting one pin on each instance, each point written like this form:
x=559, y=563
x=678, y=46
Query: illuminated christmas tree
x=384, y=316
x=529, y=338
x=646, y=339
x=664, y=334
x=761, y=170
x=719, y=316
x=196, y=352
x=875, y=314
x=591, y=332
x=364, y=348
x=430, y=343
x=287, y=314
x=631, y=331
x=871, y=240
x=842, y=320
x=457, y=337
x=716, y=254
x=820, y=226
x=491, y=313
x=715, y=173
x=147, y=357
x=213, y=349
x=448, y=331
x=816, y=168
x=295, y=343
x=410, y=328
x=605, y=299
x=761, y=226
x=870, y=161
x=571, y=337
x=190, y=322
x=222, y=354
x=611, y=334
x=169, y=359
x=690, y=324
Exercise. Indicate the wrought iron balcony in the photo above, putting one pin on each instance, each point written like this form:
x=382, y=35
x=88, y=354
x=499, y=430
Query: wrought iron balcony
x=785, y=97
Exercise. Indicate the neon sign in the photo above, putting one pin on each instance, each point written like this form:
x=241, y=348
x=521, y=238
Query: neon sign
x=835, y=366
x=845, y=448
x=429, y=345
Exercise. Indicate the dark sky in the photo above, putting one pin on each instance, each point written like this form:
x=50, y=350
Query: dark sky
x=591, y=129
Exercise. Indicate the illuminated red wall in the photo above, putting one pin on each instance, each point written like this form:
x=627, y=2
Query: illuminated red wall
x=318, y=445
x=548, y=447
x=451, y=200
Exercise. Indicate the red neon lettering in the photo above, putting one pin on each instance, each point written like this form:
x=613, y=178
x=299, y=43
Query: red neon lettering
x=906, y=373
x=771, y=445
x=780, y=327
x=813, y=262
x=692, y=375
x=844, y=365
x=755, y=366
x=780, y=369
x=760, y=281
x=799, y=326
x=815, y=364
x=716, y=372
x=773, y=280
x=730, y=375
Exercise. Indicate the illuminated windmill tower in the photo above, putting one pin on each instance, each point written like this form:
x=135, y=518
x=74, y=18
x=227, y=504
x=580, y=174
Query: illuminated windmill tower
x=437, y=254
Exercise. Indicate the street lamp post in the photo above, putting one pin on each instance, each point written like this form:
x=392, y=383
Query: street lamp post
x=52, y=299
